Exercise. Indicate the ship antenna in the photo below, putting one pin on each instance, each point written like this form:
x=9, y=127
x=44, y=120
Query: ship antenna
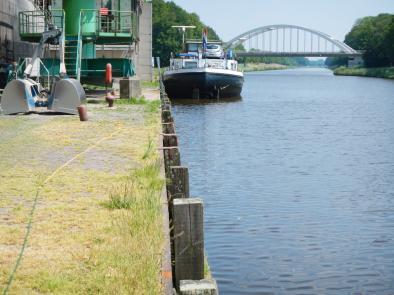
x=183, y=28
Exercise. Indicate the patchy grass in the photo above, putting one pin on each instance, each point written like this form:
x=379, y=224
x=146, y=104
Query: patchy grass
x=77, y=245
x=132, y=101
x=387, y=72
x=151, y=84
x=137, y=187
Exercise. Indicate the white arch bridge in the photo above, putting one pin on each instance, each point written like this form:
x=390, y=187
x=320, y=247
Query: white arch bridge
x=289, y=40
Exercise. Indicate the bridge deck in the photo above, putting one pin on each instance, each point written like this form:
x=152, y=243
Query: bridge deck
x=295, y=54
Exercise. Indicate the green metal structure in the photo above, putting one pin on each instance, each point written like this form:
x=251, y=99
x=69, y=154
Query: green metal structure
x=86, y=23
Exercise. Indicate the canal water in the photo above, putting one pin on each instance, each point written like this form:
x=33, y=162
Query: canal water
x=298, y=183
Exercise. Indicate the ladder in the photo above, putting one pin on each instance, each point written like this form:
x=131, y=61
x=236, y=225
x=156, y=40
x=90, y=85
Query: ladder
x=71, y=55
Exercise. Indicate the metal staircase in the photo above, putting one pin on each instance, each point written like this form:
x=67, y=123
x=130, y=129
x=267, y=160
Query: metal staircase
x=71, y=55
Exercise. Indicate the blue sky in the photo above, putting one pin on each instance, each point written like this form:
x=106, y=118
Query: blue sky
x=334, y=17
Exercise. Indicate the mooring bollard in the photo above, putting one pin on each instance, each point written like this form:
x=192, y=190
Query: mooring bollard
x=188, y=223
x=83, y=113
x=179, y=182
x=110, y=98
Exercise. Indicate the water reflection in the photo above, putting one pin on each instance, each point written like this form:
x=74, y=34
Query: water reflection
x=205, y=101
x=297, y=181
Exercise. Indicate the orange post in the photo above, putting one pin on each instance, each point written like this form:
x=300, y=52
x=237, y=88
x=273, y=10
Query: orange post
x=108, y=74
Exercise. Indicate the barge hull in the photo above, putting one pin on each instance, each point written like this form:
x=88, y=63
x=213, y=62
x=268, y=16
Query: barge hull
x=202, y=85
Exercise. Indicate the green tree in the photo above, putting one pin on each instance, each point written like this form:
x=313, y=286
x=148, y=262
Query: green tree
x=390, y=42
x=167, y=39
x=336, y=61
x=374, y=35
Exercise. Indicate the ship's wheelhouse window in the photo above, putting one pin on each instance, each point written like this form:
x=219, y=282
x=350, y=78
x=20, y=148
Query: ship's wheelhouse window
x=190, y=65
x=192, y=47
x=212, y=46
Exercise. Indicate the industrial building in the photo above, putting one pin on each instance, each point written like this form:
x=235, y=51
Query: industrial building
x=96, y=32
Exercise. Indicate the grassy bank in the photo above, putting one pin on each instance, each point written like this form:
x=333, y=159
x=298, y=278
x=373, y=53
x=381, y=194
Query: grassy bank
x=254, y=67
x=97, y=223
x=387, y=73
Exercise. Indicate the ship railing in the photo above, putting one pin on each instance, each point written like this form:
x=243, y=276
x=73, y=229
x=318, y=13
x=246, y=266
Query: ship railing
x=215, y=64
x=177, y=64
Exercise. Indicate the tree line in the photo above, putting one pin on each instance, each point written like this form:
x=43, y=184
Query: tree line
x=375, y=36
x=167, y=39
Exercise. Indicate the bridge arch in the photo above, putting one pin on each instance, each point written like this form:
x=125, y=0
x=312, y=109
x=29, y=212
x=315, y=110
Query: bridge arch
x=337, y=47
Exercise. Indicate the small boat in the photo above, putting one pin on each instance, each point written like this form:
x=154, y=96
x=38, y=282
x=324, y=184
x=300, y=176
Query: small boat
x=204, y=71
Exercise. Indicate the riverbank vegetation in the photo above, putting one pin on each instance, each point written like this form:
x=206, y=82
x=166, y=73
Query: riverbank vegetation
x=385, y=72
x=261, y=63
x=277, y=63
x=375, y=36
x=167, y=39
x=254, y=67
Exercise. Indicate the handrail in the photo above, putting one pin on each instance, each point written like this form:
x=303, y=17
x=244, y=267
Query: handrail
x=117, y=21
x=48, y=74
x=20, y=68
x=79, y=48
x=115, y=24
x=35, y=21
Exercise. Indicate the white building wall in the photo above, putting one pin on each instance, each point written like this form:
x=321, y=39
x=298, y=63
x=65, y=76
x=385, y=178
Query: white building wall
x=144, y=54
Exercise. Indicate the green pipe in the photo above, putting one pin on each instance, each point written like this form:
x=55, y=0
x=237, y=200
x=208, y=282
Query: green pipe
x=89, y=50
x=72, y=9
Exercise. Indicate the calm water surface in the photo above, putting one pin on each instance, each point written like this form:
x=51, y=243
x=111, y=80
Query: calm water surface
x=298, y=183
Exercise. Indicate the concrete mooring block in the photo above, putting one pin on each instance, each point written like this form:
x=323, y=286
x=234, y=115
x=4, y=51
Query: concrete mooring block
x=130, y=87
x=201, y=287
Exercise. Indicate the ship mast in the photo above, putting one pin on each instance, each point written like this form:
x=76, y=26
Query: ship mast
x=183, y=29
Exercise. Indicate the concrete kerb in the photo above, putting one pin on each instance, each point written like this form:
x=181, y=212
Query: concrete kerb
x=201, y=287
